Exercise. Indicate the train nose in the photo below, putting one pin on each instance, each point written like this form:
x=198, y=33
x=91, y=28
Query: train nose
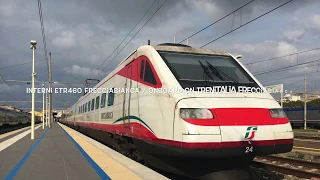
x=256, y=130
x=243, y=116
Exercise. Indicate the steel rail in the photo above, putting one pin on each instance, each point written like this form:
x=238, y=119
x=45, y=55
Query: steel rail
x=286, y=170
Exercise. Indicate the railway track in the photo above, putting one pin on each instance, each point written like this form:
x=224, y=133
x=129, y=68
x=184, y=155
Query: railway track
x=302, y=169
x=307, y=137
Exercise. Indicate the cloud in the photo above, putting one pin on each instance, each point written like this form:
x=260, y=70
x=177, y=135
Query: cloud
x=84, y=72
x=293, y=35
x=308, y=26
x=262, y=51
x=82, y=34
x=313, y=23
x=65, y=40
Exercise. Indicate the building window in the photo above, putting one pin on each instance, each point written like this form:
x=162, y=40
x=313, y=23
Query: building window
x=103, y=100
x=97, y=102
x=92, y=104
x=111, y=97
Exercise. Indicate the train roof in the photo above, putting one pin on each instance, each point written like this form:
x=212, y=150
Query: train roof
x=173, y=47
x=170, y=47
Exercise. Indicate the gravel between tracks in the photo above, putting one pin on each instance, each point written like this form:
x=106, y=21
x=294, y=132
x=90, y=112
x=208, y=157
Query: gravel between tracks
x=261, y=174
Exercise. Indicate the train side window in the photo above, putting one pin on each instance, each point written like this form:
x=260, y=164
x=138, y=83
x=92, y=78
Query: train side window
x=79, y=110
x=85, y=107
x=92, y=104
x=97, y=102
x=111, y=97
x=103, y=100
x=148, y=75
x=89, y=106
x=142, y=69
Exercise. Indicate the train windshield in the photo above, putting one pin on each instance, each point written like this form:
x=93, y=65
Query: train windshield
x=194, y=70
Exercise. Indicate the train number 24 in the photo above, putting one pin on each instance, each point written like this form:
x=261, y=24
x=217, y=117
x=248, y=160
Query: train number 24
x=249, y=149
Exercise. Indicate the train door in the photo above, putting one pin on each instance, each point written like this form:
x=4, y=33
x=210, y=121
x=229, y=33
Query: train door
x=127, y=97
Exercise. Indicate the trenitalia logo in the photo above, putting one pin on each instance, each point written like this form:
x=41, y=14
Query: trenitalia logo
x=250, y=132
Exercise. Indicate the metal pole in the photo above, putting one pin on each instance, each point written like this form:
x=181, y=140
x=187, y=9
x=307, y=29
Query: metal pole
x=305, y=101
x=46, y=109
x=43, y=107
x=33, y=43
x=281, y=98
x=50, y=92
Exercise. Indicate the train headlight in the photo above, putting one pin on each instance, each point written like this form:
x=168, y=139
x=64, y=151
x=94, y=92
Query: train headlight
x=277, y=113
x=189, y=113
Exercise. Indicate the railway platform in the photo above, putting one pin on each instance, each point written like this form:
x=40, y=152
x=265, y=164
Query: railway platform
x=63, y=153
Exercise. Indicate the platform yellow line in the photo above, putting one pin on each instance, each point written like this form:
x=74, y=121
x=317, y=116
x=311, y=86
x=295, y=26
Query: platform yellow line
x=308, y=140
x=298, y=147
x=111, y=167
x=13, y=132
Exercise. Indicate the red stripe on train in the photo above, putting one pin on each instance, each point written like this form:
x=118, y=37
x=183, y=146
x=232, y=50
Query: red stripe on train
x=134, y=74
x=147, y=135
x=239, y=117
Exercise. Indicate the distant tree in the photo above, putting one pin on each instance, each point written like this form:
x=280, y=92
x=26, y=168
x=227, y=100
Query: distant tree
x=314, y=103
x=293, y=104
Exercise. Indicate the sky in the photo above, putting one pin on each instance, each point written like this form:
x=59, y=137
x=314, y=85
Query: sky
x=82, y=34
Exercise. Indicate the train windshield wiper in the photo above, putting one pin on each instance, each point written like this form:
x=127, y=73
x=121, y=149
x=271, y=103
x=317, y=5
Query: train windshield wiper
x=205, y=70
x=216, y=71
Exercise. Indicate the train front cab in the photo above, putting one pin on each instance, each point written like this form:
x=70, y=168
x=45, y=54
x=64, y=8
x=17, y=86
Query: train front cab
x=221, y=130
x=232, y=130
x=229, y=122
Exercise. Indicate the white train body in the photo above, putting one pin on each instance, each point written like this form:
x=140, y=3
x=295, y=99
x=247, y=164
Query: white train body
x=186, y=124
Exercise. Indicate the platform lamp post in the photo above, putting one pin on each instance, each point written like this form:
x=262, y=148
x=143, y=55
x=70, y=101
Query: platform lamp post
x=43, y=106
x=46, y=109
x=33, y=47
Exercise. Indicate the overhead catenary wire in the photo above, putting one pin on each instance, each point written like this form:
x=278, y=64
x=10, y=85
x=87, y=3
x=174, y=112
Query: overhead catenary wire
x=274, y=58
x=62, y=70
x=20, y=64
x=21, y=72
x=123, y=39
x=246, y=23
x=135, y=35
x=9, y=94
x=216, y=21
x=288, y=77
x=12, y=90
x=290, y=68
x=43, y=35
x=279, y=69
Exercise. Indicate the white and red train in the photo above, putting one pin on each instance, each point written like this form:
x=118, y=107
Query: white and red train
x=191, y=133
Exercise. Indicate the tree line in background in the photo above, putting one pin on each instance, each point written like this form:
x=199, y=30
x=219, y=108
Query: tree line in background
x=300, y=104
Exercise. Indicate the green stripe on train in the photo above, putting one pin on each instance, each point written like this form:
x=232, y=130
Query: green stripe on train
x=133, y=118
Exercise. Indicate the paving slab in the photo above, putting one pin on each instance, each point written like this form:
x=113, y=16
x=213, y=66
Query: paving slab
x=51, y=155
